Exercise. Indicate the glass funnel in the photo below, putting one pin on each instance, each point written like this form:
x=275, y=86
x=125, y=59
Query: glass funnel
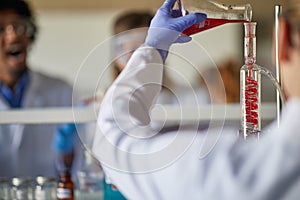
x=217, y=13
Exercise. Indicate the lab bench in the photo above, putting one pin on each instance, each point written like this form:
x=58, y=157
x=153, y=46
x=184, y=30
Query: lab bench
x=217, y=112
x=97, y=195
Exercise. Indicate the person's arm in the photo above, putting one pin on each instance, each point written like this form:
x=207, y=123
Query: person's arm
x=264, y=169
x=124, y=113
x=124, y=119
x=64, y=145
x=144, y=166
x=126, y=106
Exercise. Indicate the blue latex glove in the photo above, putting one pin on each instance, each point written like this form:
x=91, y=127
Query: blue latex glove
x=64, y=138
x=166, y=27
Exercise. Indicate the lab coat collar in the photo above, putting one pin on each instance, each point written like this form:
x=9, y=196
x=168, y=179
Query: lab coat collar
x=14, y=98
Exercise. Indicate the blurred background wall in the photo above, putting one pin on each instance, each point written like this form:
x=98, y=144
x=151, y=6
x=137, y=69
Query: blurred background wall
x=72, y=41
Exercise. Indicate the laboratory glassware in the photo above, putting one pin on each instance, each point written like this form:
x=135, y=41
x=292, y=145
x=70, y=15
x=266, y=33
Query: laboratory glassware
x=4, y=189
x=278, y=12
x=250, y=81
x=217, y=14
x=45, y=188
x=90, y=176
x=250, y=78
x=65, y=186
x=22, y=188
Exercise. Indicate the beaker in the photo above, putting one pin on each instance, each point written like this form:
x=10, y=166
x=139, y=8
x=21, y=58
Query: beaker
x=45, y=188
x=4, y=189
x=22, y=188
x=250, y=81
x=217, y=13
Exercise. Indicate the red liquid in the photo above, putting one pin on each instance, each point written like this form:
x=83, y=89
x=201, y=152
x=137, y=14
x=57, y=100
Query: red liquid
x=251, y=101
x=208, y=24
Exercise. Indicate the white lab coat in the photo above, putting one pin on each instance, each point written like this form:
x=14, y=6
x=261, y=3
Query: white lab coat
x=27, y=150
x=189, y=164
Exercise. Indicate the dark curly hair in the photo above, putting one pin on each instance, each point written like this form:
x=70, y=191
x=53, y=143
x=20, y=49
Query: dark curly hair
x=22, y=8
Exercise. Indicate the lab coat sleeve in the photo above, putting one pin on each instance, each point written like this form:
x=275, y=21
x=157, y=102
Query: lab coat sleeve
x=124, y=117
x=232, y=169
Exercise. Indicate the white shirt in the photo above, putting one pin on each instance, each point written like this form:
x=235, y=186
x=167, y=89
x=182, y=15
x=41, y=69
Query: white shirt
x=189, y=164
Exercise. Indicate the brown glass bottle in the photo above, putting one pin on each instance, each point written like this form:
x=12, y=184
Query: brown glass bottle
x=65, y=187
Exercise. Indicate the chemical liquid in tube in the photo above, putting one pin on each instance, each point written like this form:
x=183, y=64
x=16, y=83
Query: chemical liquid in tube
x=217, y=14
x=250, y=77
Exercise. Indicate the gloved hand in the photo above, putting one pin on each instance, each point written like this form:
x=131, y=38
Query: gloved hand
x=166, y=27
x=64, y=138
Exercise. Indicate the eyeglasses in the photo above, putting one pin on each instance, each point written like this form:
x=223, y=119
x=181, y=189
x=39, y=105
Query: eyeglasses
x=19, y=26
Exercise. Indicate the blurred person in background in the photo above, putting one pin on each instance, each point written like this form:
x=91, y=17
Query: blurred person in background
x=227, y=76
x=27, y=149
x=129, y=30
x=146, y=165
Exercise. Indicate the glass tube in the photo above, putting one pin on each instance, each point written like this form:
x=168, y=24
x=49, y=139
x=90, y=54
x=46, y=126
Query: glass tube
x=250, y=78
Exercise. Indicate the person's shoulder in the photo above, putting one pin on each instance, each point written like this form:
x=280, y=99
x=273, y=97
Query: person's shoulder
x=53, y=91
x=48, y=80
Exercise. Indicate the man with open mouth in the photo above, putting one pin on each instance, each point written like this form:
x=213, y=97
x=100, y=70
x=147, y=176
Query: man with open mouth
x=27, y=150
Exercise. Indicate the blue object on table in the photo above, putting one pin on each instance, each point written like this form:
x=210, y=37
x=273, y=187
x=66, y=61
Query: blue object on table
x=111, y=192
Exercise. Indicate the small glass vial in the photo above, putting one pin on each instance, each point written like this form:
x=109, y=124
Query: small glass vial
x=90, y=176
x=65, y=186
x=45, y=188
x=4, y=189
x=22, y=188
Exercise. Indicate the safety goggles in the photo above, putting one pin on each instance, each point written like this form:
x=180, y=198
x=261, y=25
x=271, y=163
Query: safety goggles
x=19, y=26
x=126, y=43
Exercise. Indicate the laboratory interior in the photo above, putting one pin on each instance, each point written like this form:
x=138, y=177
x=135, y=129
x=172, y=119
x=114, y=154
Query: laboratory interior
x=74, y=44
